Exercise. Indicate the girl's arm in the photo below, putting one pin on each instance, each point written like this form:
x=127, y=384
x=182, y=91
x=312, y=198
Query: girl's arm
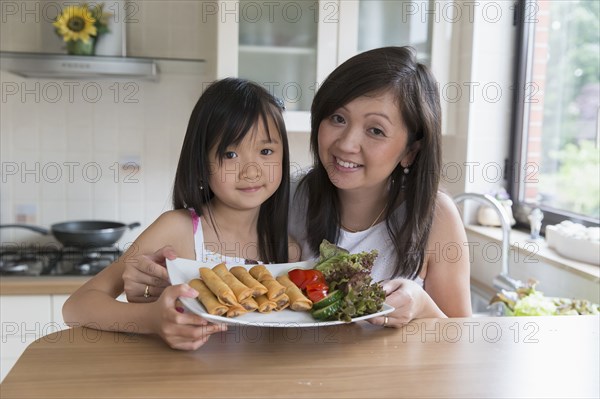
x=94, y=304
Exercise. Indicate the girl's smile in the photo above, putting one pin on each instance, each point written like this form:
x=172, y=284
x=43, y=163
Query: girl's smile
x=250, y=171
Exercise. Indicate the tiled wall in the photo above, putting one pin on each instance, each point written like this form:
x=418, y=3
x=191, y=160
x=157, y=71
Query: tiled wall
x=69, y=154
x=64, y=153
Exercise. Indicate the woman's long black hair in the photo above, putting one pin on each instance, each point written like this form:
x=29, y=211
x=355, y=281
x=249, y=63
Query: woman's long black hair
x=395, y=70
x=225, y=113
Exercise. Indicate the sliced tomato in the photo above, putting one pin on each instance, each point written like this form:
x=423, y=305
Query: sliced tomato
x=316, y=291
x=313, y=276
x=317, y=295
x=317, y=286
x=298, y=277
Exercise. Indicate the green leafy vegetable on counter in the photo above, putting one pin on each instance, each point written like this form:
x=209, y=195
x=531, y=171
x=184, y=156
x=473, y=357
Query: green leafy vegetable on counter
x=351, y=274
x=527, y=301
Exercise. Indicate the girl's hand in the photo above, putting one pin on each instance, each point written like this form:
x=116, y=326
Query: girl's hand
x=410, y=302
x=150, y=271
x=184, y=331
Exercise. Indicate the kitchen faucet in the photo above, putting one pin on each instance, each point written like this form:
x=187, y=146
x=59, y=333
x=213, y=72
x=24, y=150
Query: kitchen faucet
x=503, y=280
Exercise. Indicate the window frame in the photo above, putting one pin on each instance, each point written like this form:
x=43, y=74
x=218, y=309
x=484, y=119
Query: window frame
x=516, y=172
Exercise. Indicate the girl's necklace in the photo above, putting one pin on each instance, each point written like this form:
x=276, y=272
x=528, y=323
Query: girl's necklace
x=372, y=224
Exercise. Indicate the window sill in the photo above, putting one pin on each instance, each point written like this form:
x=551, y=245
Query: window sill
x=521, y=242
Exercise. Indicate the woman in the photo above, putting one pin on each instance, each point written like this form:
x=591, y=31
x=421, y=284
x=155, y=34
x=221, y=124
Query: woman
x=376, y=143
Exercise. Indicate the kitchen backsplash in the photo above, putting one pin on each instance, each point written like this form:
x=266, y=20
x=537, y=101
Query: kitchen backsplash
x=102, y=149
x=97, y=149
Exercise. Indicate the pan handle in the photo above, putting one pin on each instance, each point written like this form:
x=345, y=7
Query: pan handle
x=133, y=225
x=37, y=229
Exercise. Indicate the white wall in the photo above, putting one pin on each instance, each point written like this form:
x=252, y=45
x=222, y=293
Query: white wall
x=478, y=97
x=531, y=260
x=66, y=160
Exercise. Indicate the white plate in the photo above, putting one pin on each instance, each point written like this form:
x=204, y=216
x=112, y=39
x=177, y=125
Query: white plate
x=183, y=270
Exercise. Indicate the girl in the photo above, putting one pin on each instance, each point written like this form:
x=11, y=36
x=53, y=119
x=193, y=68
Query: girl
x=230, y=202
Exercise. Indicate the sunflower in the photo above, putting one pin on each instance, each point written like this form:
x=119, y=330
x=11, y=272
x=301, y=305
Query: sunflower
x=76, y=23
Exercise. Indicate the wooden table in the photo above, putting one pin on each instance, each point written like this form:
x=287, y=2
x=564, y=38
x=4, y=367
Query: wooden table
x=478, y=357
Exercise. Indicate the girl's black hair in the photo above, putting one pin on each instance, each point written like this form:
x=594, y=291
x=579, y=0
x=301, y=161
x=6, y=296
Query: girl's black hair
x=225, y=113
x=395, y=70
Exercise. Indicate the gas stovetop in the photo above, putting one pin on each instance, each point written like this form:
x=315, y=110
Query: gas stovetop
x=55, y=261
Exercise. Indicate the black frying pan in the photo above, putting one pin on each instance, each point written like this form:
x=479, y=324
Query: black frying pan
x=87, y=233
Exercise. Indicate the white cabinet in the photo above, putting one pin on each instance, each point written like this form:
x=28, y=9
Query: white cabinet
x=290, y=47
x=25, y=318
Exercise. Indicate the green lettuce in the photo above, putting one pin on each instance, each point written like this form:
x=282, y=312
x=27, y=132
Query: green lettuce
x=527, y=301
x=351, y=273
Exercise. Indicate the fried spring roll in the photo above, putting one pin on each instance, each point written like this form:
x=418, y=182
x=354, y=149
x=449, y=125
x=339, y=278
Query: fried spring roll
x=298, y=301
x=221, y=290
x=264, y=304
x=282, y=301
x=249, y=304
x=207, y=298
x=265, y=277
x=236, y=310
x=240, y=290
x=260, y=273
x=242, y=275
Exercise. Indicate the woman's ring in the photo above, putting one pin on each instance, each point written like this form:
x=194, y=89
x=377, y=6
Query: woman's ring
x=385, y=321
x=147, y=292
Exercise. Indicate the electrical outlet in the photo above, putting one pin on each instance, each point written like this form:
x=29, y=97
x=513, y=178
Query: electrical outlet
x=26, y=213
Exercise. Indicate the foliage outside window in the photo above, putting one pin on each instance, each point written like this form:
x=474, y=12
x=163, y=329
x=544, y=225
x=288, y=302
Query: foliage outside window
x=556, y=114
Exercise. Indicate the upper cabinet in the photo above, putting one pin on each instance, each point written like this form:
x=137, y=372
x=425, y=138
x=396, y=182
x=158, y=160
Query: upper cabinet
x=137, y=28
x=291, y=46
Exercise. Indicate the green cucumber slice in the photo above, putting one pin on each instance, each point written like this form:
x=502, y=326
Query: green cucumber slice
x=327, y=312
x=333, y=296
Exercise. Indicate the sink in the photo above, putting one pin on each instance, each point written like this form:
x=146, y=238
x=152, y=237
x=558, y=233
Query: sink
x=480, y=304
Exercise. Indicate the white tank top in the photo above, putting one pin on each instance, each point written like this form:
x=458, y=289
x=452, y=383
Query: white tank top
x=366, y=240
x=214, y=252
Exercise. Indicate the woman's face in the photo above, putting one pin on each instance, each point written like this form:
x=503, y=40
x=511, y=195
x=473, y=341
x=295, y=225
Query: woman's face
x=250, y=172
x=361, y=143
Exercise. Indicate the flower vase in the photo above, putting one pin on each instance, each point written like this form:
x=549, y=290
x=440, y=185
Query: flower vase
x=79, y=47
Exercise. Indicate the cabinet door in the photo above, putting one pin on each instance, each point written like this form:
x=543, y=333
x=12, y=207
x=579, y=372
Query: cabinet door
x=287, y=46
x=24, y=318
x=396, y=23
x=278, y=48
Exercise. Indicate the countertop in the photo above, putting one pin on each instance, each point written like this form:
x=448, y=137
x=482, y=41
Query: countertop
x=463, y=357
x=41, y=285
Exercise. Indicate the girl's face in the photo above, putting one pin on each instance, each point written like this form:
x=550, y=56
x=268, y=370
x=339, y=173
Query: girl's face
x=250, y=172
x=361, y=143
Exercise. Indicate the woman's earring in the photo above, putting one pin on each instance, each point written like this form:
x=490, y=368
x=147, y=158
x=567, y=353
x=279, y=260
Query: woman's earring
x=404, y=177
x=201, y=186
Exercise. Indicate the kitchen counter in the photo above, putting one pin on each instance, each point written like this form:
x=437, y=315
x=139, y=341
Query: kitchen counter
x=482, y=357
x=41, y=285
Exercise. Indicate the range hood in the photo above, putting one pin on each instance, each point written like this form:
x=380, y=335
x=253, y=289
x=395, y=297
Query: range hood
x=60, y=66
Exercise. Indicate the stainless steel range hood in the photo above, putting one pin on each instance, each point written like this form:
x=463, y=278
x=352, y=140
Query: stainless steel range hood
x=58, y=66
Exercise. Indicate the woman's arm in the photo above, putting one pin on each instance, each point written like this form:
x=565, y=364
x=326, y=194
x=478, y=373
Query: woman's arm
x=447, y=273
x=294, y=251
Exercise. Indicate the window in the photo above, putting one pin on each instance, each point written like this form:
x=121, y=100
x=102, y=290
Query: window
x=556, y=158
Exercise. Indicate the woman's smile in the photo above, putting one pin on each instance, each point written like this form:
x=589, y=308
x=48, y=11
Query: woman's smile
x=363, y=141
x=346, y=165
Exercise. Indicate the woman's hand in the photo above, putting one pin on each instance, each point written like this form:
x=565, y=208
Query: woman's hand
x=145, y=276
x=410, y=302
x=184, y=331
